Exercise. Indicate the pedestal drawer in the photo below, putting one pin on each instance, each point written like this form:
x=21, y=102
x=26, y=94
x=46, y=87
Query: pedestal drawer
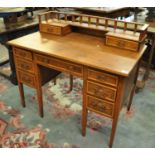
x=26, y=78
x=60, y=65
x=24, y=65
x=101, y=91
x=100, y=106
x=102, y=77
x=24, y=54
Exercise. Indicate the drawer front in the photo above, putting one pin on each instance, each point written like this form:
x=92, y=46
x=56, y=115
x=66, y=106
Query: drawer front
x=60, y=65
x=121, y=43
x=26, y=78
x=22, y=53
x=101, y=91
x=50, y=29
x=101, y=106
x=24, y=65
x=103, y=77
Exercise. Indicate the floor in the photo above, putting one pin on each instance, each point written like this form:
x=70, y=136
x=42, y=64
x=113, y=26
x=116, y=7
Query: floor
x=61, y=125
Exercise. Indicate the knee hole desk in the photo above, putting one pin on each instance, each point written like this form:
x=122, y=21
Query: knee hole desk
x=109, y=74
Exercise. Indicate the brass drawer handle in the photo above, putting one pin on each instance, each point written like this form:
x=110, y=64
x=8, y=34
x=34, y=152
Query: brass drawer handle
x=93, y=103
x=25, y=66
x=101, y=77
x=98, y=91
x=102, y=108
x=50, y=29
x=45, y=60
x=99, y=106
x=26, y=79
x=20, y=53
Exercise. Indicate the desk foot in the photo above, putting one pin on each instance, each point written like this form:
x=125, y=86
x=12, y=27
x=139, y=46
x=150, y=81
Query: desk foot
x=84, y=122
x=110, y=145
x=40, y=101
x=83, y=133
x=41, y=115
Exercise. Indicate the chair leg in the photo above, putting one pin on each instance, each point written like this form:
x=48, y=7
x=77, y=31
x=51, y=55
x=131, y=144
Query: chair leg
x=21, y=91
x=55, y=81
x=71, y=83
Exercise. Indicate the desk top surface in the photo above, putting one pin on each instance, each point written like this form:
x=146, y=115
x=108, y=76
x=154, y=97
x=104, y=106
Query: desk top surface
x=82, y=49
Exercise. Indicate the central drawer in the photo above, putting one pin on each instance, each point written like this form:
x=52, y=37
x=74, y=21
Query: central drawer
x=60, y=65
x=101, y=91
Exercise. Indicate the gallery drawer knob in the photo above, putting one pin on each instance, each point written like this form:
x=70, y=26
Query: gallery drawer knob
x=50, y=29
x=121, y=43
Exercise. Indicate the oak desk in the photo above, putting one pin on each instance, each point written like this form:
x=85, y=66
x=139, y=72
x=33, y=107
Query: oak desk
x=109, y=74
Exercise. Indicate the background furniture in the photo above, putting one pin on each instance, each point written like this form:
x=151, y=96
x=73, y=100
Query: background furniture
x=16, y=23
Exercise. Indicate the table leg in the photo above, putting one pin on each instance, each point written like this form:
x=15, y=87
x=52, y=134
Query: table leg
x=113, y=130
x=84, y=107
x=84, y=120
x=117, y=109
x=40, y=101
x=134, y=87
x=39, y=90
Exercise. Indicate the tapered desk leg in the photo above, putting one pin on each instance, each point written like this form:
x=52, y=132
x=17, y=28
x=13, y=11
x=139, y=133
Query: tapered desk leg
x=40, y=101
x=39, y=90
x=131, y=97
x=113, y=130
x=84, y=108
x=134, y=87
x=84, y=120
x=118, y=104
x=21, y=91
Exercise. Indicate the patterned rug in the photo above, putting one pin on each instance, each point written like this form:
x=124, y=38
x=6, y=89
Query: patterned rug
x=61, y=125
